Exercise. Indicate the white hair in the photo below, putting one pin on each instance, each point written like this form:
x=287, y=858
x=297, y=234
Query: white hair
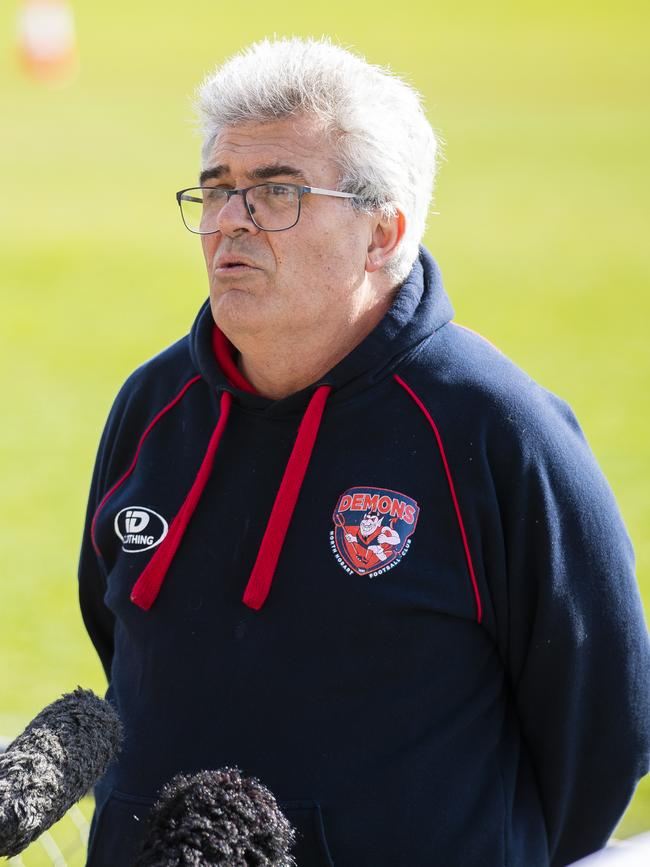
x=386, y=148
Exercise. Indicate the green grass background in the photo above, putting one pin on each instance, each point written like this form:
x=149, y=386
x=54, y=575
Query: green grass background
x=542, y=238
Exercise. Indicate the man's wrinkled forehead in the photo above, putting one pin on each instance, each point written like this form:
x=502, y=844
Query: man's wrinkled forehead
x=293, y=148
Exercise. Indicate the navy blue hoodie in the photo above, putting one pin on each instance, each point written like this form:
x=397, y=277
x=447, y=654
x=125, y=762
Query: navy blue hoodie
x=403, y=598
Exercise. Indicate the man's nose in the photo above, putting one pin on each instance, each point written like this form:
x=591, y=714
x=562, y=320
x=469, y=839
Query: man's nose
x=234, y=217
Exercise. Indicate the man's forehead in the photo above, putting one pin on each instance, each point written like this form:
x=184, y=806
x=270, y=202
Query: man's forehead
x=297, y=145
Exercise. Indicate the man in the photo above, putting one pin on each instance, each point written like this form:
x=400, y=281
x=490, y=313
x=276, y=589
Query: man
x=369, y=544
x=476, y=694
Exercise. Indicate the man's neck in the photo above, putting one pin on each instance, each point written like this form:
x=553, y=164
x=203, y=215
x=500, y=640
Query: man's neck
x=279, y=367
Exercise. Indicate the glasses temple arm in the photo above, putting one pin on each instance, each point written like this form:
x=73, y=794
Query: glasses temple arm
x=339, y=193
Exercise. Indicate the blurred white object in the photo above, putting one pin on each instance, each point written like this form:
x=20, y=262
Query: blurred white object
x=634, y=852
x=47, y=40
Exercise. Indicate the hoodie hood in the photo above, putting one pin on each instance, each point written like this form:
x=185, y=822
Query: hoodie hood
x=421, y=307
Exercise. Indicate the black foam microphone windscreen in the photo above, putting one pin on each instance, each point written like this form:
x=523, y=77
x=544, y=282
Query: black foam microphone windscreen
x=216, y=819
x=52, y=764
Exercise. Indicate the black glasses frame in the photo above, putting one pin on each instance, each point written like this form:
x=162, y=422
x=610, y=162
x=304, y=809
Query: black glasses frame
x=301, y=189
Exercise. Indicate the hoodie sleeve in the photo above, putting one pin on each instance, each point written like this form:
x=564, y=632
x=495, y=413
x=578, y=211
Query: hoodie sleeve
x=109, y=464
x=97, y=618
x=577, y=644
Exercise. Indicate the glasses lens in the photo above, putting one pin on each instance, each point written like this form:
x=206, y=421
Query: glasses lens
x=200, y=208
x=274, y=206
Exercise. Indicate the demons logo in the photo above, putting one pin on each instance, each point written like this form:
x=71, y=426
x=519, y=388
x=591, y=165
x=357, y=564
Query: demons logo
x=372, y=529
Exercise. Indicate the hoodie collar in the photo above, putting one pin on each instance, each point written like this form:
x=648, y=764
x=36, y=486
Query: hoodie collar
x=421, y=307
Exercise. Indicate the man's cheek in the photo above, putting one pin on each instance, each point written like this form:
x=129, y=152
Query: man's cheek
x=209, y=247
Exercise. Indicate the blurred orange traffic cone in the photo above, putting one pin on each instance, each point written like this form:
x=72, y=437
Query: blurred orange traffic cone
x=46, y=40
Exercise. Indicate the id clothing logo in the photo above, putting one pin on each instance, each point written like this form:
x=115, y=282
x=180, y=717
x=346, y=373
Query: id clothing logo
x=372, y=530
x=139, y=528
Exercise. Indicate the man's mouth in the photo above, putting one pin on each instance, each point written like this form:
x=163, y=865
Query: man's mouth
x=234, y=271
x=230, y=264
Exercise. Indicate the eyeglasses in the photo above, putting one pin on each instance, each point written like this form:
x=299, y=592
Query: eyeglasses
x=272, y=207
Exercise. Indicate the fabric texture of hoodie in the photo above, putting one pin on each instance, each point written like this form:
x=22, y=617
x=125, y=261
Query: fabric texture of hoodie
x=403, y=598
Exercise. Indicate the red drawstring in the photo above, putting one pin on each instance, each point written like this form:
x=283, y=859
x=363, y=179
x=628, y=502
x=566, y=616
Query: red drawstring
x=148, y=585
x=261, y=577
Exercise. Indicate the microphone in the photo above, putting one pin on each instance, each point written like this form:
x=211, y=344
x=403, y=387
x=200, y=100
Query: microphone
x=216, y=819
x=61, y=754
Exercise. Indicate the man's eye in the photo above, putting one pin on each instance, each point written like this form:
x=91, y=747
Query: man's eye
x=277, y=191
x=214, y=193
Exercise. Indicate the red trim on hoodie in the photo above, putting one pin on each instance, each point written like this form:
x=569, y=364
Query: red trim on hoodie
x=146, y=433
x=452, y=489
x=224, y=351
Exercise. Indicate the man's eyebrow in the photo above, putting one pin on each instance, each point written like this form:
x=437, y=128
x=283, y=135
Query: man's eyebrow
x=273, y=170
x=261, y=173
x=215, y=172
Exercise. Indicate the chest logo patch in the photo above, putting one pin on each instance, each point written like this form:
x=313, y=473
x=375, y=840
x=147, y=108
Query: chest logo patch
x=372, y=530
x=139, y=528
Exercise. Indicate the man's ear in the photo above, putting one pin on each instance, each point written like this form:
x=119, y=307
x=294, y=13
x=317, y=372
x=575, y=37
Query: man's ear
x=387, y=232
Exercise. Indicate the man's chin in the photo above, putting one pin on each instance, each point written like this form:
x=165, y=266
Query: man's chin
x=238, y=312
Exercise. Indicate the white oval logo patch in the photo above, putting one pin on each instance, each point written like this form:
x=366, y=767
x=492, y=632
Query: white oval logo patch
x=140, y=528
